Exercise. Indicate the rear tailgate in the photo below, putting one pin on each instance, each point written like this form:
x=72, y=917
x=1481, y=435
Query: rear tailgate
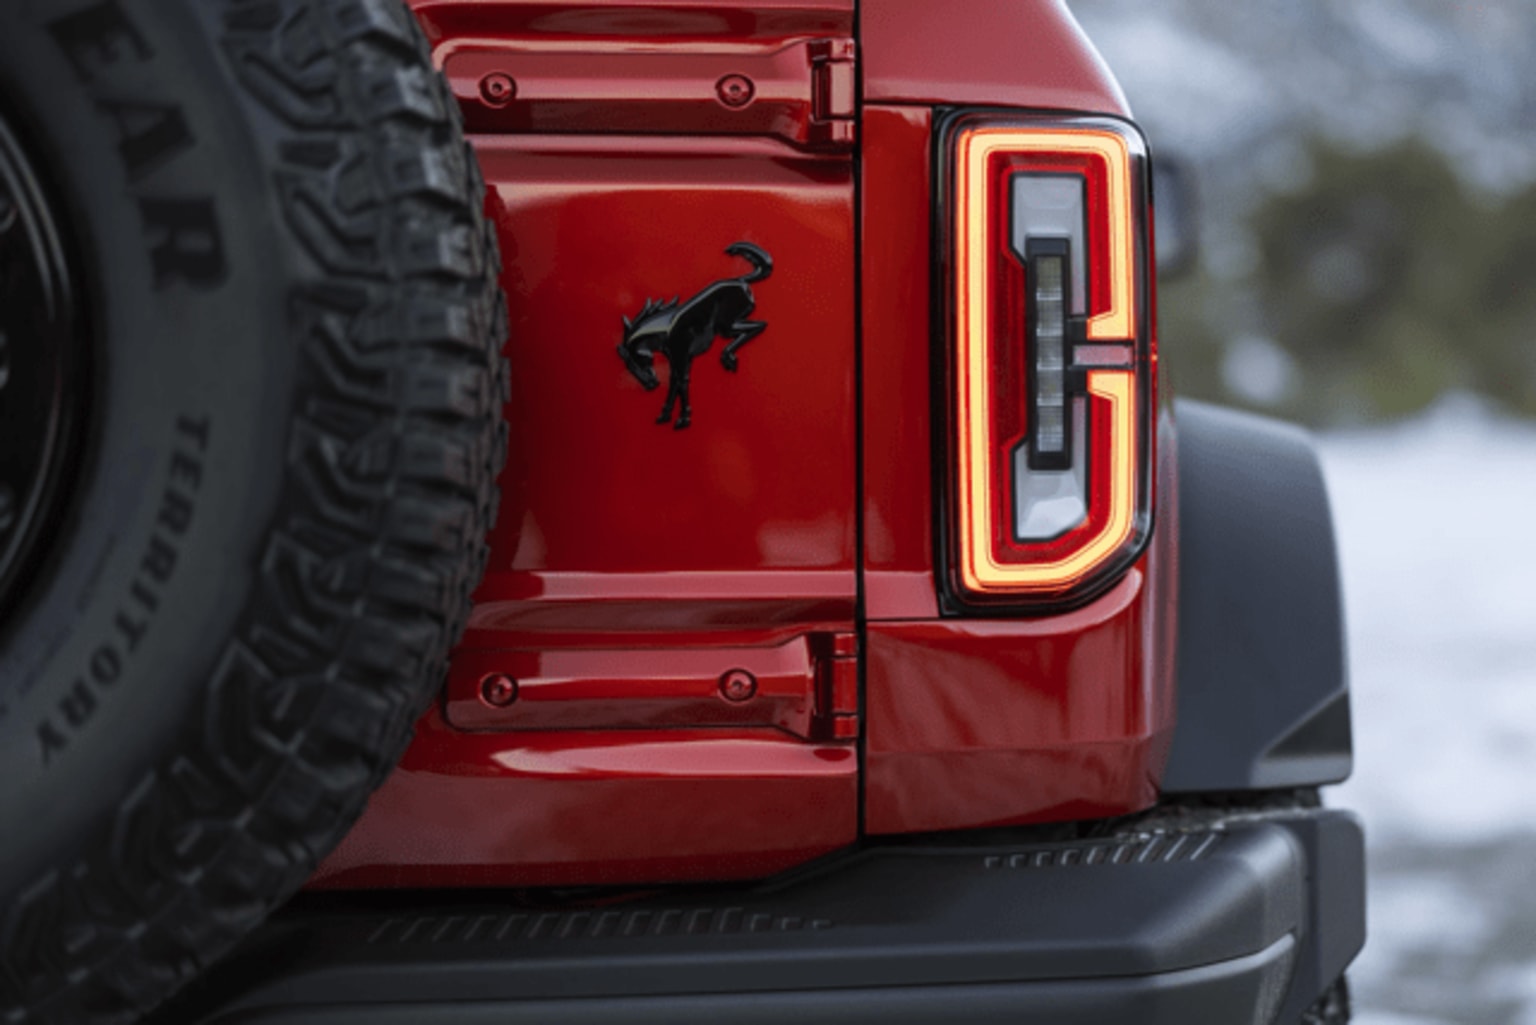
x=676, y=605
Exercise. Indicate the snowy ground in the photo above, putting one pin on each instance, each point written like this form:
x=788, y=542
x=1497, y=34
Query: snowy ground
x=1437, y=523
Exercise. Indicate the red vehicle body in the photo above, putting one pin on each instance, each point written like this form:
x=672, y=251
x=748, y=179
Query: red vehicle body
x=924, y=657
x=790, y=534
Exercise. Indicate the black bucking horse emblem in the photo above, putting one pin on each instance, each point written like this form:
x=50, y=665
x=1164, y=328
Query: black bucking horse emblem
x=681, y=331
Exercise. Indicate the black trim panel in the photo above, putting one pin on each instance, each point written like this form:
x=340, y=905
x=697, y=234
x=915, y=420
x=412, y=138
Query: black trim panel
x=1213, y=923
x=1263, y=688
x=1227, y=991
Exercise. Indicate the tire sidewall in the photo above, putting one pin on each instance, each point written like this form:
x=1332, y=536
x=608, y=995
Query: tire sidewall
x=193, y=385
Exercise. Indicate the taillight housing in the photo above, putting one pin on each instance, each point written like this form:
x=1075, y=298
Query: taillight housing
x=1049, y=356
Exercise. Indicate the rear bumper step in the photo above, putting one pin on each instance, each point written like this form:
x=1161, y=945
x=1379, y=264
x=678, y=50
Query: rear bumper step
x=1246, y=920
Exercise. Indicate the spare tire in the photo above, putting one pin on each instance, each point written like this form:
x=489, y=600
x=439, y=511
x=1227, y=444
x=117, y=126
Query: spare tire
x=251, y=389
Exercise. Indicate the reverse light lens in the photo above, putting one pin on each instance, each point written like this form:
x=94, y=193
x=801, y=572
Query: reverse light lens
x=1051, y=356
x=1050, y=332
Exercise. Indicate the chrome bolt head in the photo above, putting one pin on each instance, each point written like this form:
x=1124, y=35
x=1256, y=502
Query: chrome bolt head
x=498, y=690
x=735, y=91
x=738, y=685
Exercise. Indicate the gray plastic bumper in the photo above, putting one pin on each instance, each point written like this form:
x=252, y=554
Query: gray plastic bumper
x=1241, y=921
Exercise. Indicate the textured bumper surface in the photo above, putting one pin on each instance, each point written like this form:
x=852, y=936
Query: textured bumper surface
x=1245, y=920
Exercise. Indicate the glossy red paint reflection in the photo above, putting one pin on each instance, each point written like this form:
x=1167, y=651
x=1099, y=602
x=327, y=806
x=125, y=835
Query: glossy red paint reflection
x=997, y=722
x=569, y=808
x=634, y=566
x=589, y=683
x=1030, y=54
x=627, y=23
x=779, y=68
x=799, y=91
x=896, y=272
x=649, y=687
x=757, y=497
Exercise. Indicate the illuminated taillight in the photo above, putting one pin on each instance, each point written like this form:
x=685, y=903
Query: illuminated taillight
x=1049, y=352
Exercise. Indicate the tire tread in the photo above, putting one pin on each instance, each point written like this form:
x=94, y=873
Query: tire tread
x=365, y=582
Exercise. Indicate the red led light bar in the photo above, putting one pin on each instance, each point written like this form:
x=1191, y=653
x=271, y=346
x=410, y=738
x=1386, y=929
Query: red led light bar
x=1049, y=349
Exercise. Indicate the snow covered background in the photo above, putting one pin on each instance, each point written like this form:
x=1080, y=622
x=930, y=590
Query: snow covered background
x=1437, y=529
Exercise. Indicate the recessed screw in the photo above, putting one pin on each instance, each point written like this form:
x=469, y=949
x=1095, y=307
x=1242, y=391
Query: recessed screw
x=498, y=89
x=735, y=90
x=738, y=685
x=498, y=690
